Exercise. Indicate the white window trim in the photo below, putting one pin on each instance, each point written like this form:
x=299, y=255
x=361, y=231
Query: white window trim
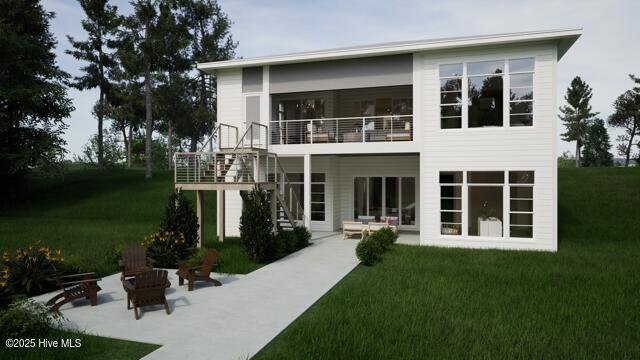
x=506, y=92
x=506, y=208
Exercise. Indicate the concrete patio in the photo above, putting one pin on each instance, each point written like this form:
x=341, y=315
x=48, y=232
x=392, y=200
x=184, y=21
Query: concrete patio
x=228, y=322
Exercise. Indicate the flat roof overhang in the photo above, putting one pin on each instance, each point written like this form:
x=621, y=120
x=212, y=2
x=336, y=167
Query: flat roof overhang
x=565, y=38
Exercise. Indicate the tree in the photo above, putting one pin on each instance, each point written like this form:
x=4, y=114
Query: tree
x=33, y=98
x=596, y=146
x=577, y=114
x=101, y=24
x=126, y=111
x=256, y=225
x=626, y=115
x=112, y=151
x=211, y=39
x=138, y=49
x=180, y=217
x=173, y=81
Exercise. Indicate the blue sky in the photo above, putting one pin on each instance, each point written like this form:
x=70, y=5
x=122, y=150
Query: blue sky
x=603, y=56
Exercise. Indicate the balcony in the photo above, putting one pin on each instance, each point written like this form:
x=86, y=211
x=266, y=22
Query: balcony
x=388, y=128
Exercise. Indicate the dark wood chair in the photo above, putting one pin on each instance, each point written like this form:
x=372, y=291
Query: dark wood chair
x=134, y=261
x=147, y=288
x=199, y=273
x=74, y=287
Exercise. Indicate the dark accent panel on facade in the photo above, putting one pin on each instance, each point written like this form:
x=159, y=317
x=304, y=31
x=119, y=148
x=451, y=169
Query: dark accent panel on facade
x=252, y=79
x=342, y=74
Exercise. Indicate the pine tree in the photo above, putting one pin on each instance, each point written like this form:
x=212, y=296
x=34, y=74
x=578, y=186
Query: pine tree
x=33, y=98
x=101, y=24
x=596, y=146
x=626, y=115
x=210, y=29
x=577, y=114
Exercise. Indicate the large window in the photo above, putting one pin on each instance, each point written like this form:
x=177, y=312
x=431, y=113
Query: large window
x=481, y=87
x=385, y=196
x=451, y=202
x=521, y=204
x=317, y=197
x=485, y=93
x=477, y=205
x=521, y=92
x=485, y=203
x=451, y=96
x=296, y=184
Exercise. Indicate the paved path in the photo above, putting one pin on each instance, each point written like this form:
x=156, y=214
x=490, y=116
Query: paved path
x=233, y=321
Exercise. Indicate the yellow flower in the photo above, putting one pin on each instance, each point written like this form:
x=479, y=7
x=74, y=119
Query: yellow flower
x=3, y=284
x=30, y=248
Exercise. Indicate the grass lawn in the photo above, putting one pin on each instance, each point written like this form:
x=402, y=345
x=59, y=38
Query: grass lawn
x=91, y=213
x=92, y=347
x=426, y=302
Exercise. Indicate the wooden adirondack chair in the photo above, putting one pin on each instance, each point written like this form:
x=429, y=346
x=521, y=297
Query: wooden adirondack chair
x=199, y=273
x=74, y=287
x=134, y=261
x=147, y=288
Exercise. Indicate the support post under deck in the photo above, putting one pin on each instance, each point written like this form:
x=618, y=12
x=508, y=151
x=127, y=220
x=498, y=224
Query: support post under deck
x=220, y=215
x=200, y=214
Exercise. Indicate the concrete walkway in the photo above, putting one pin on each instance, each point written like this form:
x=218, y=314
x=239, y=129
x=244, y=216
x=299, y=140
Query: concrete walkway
x=233, y=321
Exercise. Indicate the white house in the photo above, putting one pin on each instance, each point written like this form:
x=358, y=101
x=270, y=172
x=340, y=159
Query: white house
x=452, y=138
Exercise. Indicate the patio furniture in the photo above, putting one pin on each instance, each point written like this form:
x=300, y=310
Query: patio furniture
x=134, y=261
x=352, y=137
x=350, y=228
x=147, y=288
x=375, y=226
x=199, y=273
x=74, y=287
x=366, y=219
x=399, y=136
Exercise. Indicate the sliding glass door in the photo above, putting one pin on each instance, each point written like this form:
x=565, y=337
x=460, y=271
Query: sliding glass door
x=385, y=196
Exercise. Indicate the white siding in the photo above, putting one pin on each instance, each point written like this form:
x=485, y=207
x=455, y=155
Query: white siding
x=319, y=164
x=230, y=112
x=524, y=148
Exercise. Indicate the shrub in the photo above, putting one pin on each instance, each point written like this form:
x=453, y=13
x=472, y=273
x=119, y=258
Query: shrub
x=180, y=217
x=284, y=242
x=369, y=251
x=385, y=236
x=30, y=271
x=27, y=318
x=167, y=248
x=303, y=235
x=256, y=225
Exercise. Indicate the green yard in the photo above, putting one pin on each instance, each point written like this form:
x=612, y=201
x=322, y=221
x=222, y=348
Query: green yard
x=581, y=302
x=424, y=302
x=90, y=214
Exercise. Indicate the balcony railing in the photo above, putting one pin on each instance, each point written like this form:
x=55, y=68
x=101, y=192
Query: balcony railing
x=342, y=130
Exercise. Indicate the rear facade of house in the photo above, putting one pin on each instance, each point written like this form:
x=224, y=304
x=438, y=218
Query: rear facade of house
x=454, y=139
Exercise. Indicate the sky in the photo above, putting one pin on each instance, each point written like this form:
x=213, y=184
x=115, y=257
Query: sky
x=604, y=56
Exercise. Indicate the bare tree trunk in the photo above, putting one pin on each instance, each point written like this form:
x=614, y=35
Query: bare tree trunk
x=129, y=142
x=632, y=134
x=100, y=136
x=170, y=145
x=124, y=135
x=193, y=146
x=578, y=153
x=148, y=120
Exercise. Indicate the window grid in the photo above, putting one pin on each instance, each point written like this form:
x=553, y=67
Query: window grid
x=521, y=225
x=518, y=110
x=451, y=212
x=451, y=93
